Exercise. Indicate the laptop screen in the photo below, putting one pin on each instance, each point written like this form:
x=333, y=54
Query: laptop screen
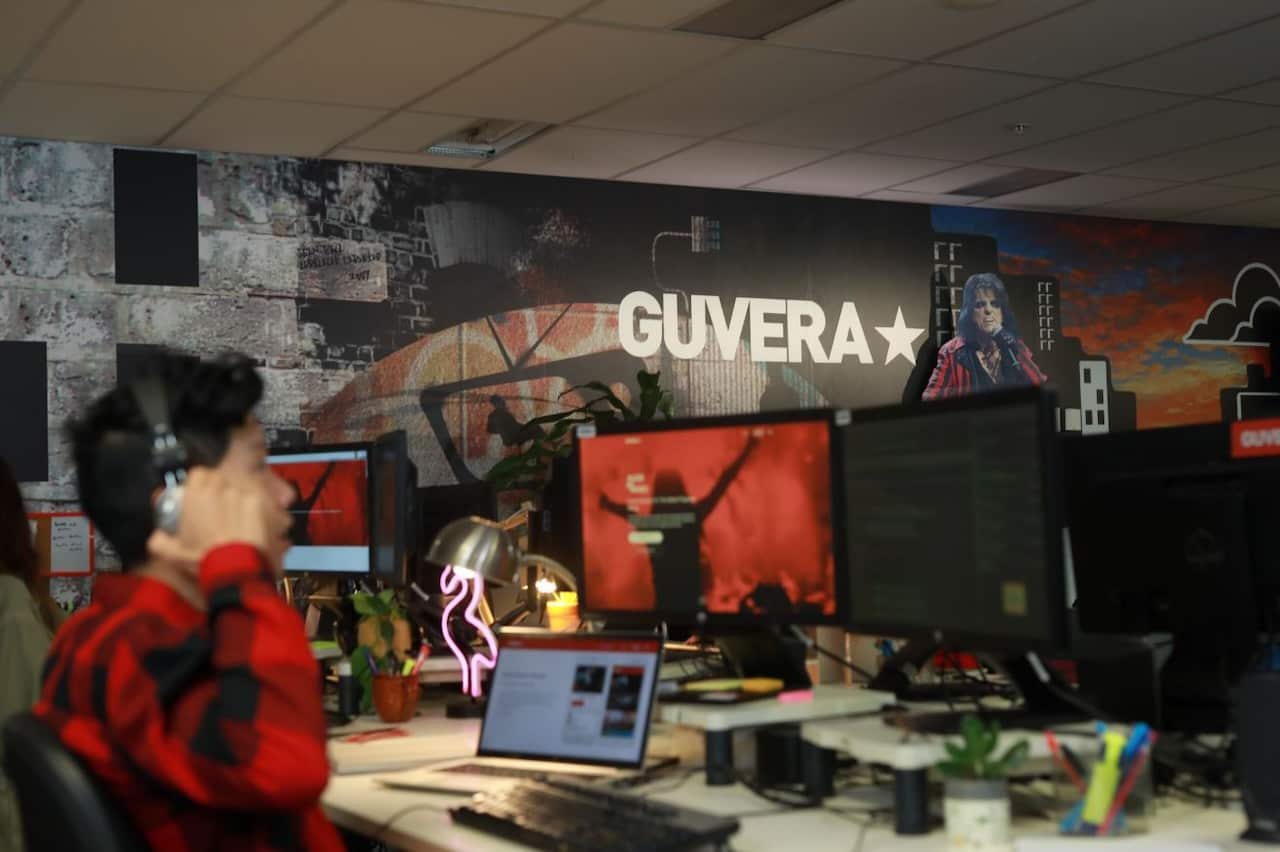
x=578, y=697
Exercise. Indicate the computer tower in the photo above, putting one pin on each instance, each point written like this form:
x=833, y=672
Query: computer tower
x=1258, y=755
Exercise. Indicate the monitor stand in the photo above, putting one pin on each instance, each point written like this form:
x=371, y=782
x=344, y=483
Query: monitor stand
x=1042, y=705
x=763, y=652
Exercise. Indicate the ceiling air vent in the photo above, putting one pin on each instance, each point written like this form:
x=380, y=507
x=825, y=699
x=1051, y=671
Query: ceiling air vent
x=1013, y=182
x=485, y=139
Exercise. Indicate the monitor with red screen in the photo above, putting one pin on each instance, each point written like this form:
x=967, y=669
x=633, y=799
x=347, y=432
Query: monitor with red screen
x=330, y=509
x=727, y=517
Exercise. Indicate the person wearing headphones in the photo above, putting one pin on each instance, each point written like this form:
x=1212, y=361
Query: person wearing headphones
x=187, y=686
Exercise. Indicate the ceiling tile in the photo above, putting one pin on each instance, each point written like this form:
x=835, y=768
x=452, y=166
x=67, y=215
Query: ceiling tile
x=1194, y=123
x=1263, y=93
x=1097, y=35
x=253, y=126
x=561, y=73
x=163, y=44
x=917, y=97
x=1267, y=178
x=650, y=13
x=553, y=8
x=1210, y=161
x=909, y=29
x=1265, y=212
x=1082, y=191
x=93, y=113
x=368, y=155
x=384, y=53
x=1050, y=114
x=25, y=23
x=922, y=198
x=1179, y=200
x=725, y=163
x=586, y=152
x=852, y=174
x=754, y=82
x=410, y=132
x=952, y=179
x=1224, y=62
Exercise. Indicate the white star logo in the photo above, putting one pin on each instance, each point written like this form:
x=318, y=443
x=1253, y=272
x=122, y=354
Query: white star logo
x=900, y=337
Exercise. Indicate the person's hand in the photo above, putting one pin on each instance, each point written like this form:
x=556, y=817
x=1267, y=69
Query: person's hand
x=222, y=507
x=1006, y=339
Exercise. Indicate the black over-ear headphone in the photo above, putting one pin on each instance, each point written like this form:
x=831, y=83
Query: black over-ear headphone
x=168, y=455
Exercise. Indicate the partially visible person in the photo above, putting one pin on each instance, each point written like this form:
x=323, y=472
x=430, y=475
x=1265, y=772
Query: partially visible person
x=28, y=619
x=986, y=352
x=187, y=685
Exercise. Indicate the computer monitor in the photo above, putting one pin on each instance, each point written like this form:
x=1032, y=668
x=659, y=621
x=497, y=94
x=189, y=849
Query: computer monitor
x=1171, y=535
x=331, y=507
x=720, y=521
x=393, y=489
x=953, y=522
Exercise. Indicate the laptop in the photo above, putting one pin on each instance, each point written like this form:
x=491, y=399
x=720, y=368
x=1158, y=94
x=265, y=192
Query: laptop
x=562, y=704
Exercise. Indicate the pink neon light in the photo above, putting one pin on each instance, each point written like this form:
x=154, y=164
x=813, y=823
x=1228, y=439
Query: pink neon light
x=451, y=583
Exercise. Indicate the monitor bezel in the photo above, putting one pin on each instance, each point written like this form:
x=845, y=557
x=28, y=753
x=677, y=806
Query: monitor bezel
x=347, y=446
x=1054, y=637
x=538, y=633
x=700, y=618
x=395, y=442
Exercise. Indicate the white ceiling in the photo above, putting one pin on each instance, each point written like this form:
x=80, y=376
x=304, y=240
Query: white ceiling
x=1169, y=109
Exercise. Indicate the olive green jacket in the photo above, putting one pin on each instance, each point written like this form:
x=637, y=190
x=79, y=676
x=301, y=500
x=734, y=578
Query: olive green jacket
x=24, y=642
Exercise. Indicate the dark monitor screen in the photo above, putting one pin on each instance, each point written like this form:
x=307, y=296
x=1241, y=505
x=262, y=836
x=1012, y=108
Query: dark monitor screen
x=727, y=518
x=392, y=507
x=1171, y=535
x=953, y=526
x=332, y=495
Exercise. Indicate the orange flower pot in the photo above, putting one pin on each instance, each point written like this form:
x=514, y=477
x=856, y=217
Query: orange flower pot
x=395, y=697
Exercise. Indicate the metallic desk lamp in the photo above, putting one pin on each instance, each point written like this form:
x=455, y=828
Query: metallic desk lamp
x=475, y=550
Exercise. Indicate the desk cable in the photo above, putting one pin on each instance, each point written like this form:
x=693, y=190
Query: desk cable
x=839, y=658
x=403, y=812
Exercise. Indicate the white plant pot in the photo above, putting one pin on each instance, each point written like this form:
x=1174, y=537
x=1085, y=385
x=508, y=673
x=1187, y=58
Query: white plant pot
x=977, y=815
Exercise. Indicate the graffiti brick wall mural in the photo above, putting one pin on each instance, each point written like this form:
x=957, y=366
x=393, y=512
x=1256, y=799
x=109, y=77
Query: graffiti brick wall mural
x=457, y=305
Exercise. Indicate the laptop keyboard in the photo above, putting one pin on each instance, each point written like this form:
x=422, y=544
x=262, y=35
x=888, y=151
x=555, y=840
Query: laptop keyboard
x=498, y=771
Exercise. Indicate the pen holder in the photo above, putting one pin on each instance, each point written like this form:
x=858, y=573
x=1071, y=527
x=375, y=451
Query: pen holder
x=395, y=697
x=1134, y=814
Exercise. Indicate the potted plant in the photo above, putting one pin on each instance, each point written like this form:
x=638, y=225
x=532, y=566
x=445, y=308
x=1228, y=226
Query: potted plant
x=976, y=801
x=383, y=639
x=549, y=435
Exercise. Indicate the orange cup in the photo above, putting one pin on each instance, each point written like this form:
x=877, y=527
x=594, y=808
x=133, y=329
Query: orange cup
x=395, y=697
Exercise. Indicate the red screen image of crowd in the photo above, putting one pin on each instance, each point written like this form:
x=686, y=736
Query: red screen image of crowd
x=331, y=500
x=737, y=515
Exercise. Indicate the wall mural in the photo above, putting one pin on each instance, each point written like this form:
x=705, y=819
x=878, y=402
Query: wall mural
x=460, y=304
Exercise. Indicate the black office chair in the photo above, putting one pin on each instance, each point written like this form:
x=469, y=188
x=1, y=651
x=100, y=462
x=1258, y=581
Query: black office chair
x=62, y=807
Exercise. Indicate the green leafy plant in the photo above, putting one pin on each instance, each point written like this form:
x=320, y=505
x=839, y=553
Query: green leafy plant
x=974, y=756
x=549, y=434
x=376, y=639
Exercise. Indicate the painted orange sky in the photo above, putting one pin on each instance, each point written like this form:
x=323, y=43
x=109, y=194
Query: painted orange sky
x=1131, y=291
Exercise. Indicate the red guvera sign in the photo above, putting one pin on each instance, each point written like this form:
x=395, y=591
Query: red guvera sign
x=1252, y=438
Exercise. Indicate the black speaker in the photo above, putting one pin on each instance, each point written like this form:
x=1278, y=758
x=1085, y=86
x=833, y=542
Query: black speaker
x=1258, y=755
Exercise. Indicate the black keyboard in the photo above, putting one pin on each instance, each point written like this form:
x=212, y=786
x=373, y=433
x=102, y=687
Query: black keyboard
x=567, y=815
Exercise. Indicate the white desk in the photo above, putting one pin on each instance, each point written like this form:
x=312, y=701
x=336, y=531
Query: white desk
x=420, y=822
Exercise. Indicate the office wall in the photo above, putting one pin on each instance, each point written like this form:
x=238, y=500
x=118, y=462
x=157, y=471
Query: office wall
x=455, y=303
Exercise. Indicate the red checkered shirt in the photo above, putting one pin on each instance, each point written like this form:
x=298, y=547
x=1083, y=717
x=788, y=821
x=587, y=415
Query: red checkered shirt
x=207, y=727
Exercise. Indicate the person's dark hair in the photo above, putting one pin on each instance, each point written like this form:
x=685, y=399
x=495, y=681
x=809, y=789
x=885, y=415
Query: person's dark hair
x=111, y=441
x=18, y=556
x=966, y=327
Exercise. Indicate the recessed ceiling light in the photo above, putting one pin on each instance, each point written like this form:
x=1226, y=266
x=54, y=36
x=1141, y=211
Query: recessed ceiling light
x=968, y=4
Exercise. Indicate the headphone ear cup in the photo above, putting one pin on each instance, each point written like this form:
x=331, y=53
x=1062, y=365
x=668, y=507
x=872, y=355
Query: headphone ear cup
x=169, y=509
